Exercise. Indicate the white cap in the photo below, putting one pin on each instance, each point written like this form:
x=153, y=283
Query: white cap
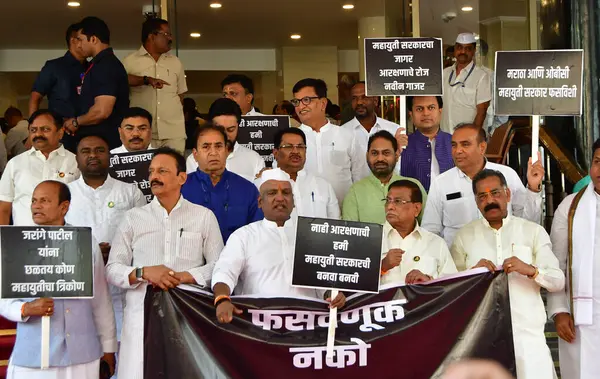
x=274, y=174
x=466, y=38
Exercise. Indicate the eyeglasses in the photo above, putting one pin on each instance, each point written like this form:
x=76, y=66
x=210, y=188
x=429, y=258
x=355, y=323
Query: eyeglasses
x=495, y=193
x=168, y=35
x=139, y=128
x=289, y=147
x=396, y=202
x=306, y=100
x=43, y=129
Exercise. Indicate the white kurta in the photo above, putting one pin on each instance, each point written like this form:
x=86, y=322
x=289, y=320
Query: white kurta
x=242, y=161
x=423, y=251
x=102, y=209
x=187, y=239
x=83, y=371
x=122, y=149
x=258, y=260
x=530, y=243
x=578, y=360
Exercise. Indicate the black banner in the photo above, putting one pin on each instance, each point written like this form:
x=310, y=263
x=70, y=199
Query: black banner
x=46, y=261
x=257, y=133
x=410, y=332
x=539, y=83
x=403, y=66
x=338, y=254
x=133, y=168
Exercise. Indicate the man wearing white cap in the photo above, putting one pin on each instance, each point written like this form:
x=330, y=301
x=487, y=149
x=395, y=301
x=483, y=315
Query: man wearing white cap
x=258, y=258
x=467, y=88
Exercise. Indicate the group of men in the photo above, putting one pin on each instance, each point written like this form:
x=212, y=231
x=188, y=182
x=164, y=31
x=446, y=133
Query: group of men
x=229, y=224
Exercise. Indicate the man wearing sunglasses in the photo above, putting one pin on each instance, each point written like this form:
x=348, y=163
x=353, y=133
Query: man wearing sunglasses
x=157, y=82
x=467, y=88
x=410, y=254
x=332, y=152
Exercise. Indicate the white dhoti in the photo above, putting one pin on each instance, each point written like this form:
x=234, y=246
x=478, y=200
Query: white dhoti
x=89, y=370
x=131, y=352
x=581, y=359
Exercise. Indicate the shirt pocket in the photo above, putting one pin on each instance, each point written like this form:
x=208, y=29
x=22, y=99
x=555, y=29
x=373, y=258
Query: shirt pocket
x=189, y=246
x=339, y=158
x=466, y=96
x=524, y=253
x=456, y=212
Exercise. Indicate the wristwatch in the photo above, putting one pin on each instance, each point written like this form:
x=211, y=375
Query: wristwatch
x=139, y=274
x=146, y=81
x=75, y=123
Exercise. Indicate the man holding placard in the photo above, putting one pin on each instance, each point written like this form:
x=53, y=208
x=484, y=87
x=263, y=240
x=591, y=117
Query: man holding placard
x=467, y=88
x=410, y=253
x=83, y=330
x=451, y=203
x=258, y=258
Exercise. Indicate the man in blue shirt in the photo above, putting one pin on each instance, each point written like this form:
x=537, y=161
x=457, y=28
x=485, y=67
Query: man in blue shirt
x=82, y=330
x=233, y=199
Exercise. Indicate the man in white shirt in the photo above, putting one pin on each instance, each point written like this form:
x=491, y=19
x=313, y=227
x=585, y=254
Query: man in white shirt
x=524, y=251
x=47, y=159
x=366, y=122
x=410, y=254
x=450, y=202
x=82, y=330
x=258, y=258
x=239, y=88
x=167, y=242
x=98, y=201
x=157, y=83
x=467, y=88
x=135, y=131
x=240, y=160
x=332, y=152
x=313, y=195
x=576, y=310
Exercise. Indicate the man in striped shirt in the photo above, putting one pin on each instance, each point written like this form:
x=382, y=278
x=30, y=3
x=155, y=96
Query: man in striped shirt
x=165, y=243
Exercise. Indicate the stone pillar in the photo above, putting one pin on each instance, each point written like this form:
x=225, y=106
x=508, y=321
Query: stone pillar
x=368, y=27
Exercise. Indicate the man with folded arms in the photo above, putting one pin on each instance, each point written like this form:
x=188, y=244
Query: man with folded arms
x=258, y=258
x=82, y=330
x=524, y=251
x=410, y=253
x=165, y=243
x=576, y=310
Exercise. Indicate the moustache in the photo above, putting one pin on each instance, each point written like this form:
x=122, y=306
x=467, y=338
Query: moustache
x=381, y=164
x=136, y=140
x=90, y=161
x=155, y=181
x=491, y=206
x=40, y=138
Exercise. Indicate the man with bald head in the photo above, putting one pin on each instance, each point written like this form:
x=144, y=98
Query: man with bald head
x=451, y=202
x=84, y=329
x=258, y=258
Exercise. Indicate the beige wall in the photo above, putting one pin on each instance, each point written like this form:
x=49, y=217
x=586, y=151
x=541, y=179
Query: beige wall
x=8, y=93
x=310, y=62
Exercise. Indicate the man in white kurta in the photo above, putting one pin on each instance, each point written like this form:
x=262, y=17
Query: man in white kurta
x=578, y=320
x=451, y=203
x=98, y=201
x=313, y=195
x=410, y=254
x=167, y=242
x=524, y=251
x=258, y=258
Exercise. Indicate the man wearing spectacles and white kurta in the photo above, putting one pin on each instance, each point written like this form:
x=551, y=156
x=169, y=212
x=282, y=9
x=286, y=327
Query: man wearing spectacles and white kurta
x=467, y=88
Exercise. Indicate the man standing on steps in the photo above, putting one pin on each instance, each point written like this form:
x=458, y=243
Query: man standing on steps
x=467, y=88
x=157, y=83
